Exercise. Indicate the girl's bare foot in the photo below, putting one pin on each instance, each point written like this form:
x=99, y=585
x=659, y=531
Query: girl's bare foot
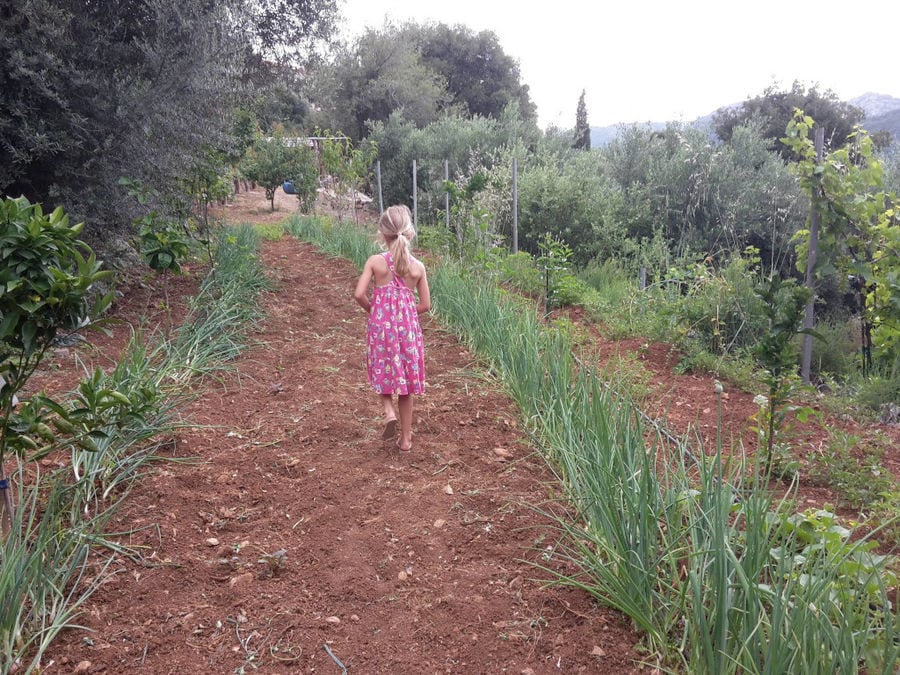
x=390, y=429
x=404, y=448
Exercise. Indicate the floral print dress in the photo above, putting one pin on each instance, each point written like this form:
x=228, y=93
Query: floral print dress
x=395, y=353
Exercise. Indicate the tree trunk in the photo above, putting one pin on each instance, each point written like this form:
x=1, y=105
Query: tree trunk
x=6, y=505
x=809, y=319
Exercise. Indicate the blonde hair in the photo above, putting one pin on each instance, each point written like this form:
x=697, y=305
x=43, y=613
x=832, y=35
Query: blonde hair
x=396, y=231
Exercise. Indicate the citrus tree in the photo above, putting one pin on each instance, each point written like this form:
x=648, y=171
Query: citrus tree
x=271, y=161
x=46, y=278
x=350, y=167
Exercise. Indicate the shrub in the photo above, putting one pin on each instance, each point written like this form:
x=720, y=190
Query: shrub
x=836, y=353
x=519, y=270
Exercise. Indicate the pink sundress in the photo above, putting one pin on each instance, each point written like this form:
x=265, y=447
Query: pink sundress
x=395, y=352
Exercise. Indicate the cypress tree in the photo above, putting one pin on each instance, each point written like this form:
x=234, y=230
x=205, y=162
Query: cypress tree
x=582, y=136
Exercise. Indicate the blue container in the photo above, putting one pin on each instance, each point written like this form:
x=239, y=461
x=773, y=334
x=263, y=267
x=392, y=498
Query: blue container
x=288, y=188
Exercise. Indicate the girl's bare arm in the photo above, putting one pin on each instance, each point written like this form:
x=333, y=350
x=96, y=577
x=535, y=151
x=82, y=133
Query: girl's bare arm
x=361, y=294
x=424, y=294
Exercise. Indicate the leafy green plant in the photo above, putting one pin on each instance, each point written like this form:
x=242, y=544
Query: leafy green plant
x=115, y=423
x=348, y=166
x=776, y=354
x=716, y=309
x=470, y=222
x=271, y=161
x=520, y=271
x=859, y=231
x=853, y=467
x=162, y=244
x=553, y=263
x=47, y=275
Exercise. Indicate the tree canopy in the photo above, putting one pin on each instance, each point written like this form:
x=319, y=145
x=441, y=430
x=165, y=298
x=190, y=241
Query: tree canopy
x=376, y=76
x=479, y=76
x=421, y=72
x=774, y=109
x=94, y=91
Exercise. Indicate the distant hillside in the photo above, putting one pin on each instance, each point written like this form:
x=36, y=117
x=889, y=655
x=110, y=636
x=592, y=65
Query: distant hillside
x=601, y=136
x=876, y=105
x=882, y=114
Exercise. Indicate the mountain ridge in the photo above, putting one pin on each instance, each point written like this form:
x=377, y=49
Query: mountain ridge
x=882, y=113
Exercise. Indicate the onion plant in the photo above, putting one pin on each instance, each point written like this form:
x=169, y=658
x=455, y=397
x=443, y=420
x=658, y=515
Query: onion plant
x=116, y=422
x=719, y=574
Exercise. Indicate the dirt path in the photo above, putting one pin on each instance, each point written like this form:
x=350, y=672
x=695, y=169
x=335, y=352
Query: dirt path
x=397, y=563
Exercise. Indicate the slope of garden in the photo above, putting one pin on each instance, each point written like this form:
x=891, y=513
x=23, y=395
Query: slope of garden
x=288, y=526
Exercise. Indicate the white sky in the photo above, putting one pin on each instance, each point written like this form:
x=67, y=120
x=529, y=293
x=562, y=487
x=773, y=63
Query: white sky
x=659, y=60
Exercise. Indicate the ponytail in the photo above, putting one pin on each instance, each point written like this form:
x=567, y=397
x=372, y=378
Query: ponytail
x=399, y=249
x=396, y=230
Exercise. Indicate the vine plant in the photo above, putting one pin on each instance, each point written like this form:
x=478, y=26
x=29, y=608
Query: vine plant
x=860, y=224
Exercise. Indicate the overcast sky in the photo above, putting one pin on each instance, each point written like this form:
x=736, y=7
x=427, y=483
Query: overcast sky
x=659, y=60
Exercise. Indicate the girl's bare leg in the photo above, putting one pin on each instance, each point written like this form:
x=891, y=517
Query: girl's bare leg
x=390, y=418
x=387, y=401
x=405, y=404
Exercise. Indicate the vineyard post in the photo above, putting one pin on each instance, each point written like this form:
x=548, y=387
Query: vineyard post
x=515, y=206
x=447, y=193
x=380, y=197
x=812, y=255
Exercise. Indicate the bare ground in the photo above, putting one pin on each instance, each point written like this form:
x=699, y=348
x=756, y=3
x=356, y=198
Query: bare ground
x=293, y=538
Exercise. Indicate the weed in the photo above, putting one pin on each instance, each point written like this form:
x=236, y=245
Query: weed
x=854, y=468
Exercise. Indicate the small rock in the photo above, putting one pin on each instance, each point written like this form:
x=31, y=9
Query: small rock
x=439, y=523
x=402, y=575
x=448, y=489
x=502, y=453
x=212, y=541
x=333, y=619
x=597, y=651
x=82, y=667
x=527, y=671
x=240, y=579
x=354, y=618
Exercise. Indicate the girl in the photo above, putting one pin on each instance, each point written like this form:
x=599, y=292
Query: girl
x=395, y=353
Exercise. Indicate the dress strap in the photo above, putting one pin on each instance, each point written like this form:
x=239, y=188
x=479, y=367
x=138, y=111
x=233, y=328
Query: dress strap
x=396, y=280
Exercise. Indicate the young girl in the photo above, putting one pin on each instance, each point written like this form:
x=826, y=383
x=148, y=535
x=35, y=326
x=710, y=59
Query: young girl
x=395, y=353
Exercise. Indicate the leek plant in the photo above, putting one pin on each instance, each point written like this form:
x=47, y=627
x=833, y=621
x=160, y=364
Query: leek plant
x=344, y=240
x=119, y=421
x=716, y=571
x=44, y=559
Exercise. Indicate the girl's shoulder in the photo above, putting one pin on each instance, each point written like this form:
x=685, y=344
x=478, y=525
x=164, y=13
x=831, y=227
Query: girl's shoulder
x=417, y=264
x=377, y=260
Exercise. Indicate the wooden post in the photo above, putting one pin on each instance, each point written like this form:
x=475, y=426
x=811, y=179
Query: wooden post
x=415, y=199
x=809, y=318
x=515, y=206
x=380, y=197
x=643, y=278
x=447, y=193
